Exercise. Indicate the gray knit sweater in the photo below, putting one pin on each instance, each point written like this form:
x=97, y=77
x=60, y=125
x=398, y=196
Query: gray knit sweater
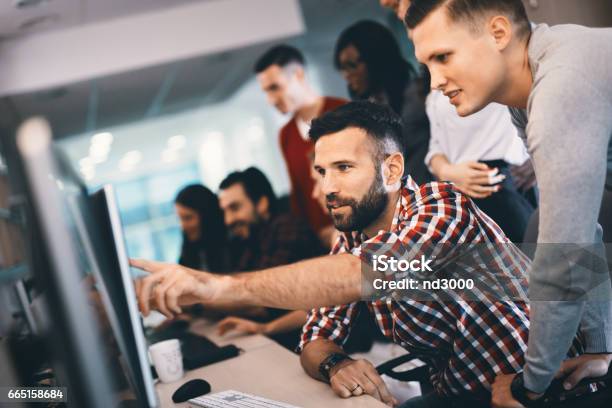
x=568, y=128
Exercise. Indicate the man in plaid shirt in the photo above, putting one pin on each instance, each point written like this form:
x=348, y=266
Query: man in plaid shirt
x=468, y=339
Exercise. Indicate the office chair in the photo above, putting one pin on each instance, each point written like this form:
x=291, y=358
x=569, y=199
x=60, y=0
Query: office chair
x=590, y=392
x=420, y=373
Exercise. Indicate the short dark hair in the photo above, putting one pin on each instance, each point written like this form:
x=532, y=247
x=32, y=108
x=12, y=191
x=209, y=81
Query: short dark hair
x=379, y=121
x=256, y=185
x=281, y=55
x=470, y=11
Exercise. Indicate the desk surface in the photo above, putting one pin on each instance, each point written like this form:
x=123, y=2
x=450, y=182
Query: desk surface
x=246, y=343
x=265, y=369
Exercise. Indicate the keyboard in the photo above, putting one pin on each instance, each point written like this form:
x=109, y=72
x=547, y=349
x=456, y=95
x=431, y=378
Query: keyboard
x=235, y=399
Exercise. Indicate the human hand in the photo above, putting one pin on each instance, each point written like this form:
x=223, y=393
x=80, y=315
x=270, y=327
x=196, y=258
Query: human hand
x=578, y=368
x=473, y=178
x=170, y=286
x=501, y=394
x=240, y=325
x=352, y=378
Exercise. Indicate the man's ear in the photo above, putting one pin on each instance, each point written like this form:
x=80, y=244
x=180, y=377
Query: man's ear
x=393, y=169
x=263, y=207
x=501, y=30
x=300, y=73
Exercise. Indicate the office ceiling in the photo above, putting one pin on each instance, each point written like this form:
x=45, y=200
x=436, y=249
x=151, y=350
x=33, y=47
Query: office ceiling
x=158, y=90
x=153, y=91
x=22, y=17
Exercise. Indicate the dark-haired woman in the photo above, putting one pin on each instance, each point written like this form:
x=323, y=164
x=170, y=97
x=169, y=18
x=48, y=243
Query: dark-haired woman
x=370, y=60
x=204, y=236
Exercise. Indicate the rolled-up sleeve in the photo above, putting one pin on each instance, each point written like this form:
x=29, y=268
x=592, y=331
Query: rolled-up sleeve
x=329, y=323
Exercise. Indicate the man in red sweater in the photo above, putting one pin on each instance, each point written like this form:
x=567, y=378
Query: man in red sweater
x=280, y=72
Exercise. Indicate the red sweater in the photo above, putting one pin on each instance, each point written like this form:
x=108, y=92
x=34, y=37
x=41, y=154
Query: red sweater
x=295, y=151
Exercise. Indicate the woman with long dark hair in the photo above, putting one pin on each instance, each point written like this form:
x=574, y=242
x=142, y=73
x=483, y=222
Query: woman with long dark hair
x=369, y=57
x=204, y=236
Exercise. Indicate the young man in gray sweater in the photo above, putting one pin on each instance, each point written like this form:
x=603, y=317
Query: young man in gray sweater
x=557, y=82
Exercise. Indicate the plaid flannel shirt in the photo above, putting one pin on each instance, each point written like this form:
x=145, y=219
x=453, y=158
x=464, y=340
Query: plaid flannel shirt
x=280, y=241
x=468, y=342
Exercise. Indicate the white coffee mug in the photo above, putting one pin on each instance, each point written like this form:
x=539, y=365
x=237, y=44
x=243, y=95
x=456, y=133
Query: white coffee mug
x=168, y=360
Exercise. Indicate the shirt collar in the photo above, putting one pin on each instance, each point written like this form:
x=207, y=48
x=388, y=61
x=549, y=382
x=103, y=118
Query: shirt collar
x=353, y=239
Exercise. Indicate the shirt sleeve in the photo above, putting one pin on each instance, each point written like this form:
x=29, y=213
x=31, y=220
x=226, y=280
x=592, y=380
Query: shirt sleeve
x=568, y=133
x=436, y=130
x=329, y=323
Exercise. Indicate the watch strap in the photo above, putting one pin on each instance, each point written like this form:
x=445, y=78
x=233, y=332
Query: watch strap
x=330, y=362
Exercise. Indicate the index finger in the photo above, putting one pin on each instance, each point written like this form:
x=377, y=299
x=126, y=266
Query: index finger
x=144, y=265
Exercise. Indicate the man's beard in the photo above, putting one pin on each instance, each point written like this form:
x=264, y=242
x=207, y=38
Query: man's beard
x=364, y=212
x=251, y=226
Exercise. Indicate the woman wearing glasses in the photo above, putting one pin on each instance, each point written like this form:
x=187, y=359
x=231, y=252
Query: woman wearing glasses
x=369, y=58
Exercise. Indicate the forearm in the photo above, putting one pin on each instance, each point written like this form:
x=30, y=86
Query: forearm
x=438, y=164
x=314, y=353
x=323, y=281
x=288, y=322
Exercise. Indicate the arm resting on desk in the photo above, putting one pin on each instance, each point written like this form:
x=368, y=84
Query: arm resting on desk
x=349, y=378
x=314, y=353
x=290, y=321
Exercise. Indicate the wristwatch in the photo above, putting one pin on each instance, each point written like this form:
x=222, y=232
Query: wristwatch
x=519, y=392
x=330, y=362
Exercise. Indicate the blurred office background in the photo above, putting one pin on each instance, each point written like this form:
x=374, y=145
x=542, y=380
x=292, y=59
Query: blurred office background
x=151, y=95
x=139, y=98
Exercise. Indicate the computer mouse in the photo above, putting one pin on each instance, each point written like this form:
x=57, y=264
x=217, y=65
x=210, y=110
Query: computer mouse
x=191, y=389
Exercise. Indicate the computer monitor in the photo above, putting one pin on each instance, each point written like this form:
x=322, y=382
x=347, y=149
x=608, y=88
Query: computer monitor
x=96, y=220
x=91, y=300
x=79, y=354
x=111, y=253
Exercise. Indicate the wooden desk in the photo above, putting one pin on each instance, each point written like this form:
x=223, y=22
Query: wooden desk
x=269, y=371
x=265, y=369
x=246, y=343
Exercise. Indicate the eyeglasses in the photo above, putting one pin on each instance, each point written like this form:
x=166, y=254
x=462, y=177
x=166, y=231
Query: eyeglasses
x=349, y=65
